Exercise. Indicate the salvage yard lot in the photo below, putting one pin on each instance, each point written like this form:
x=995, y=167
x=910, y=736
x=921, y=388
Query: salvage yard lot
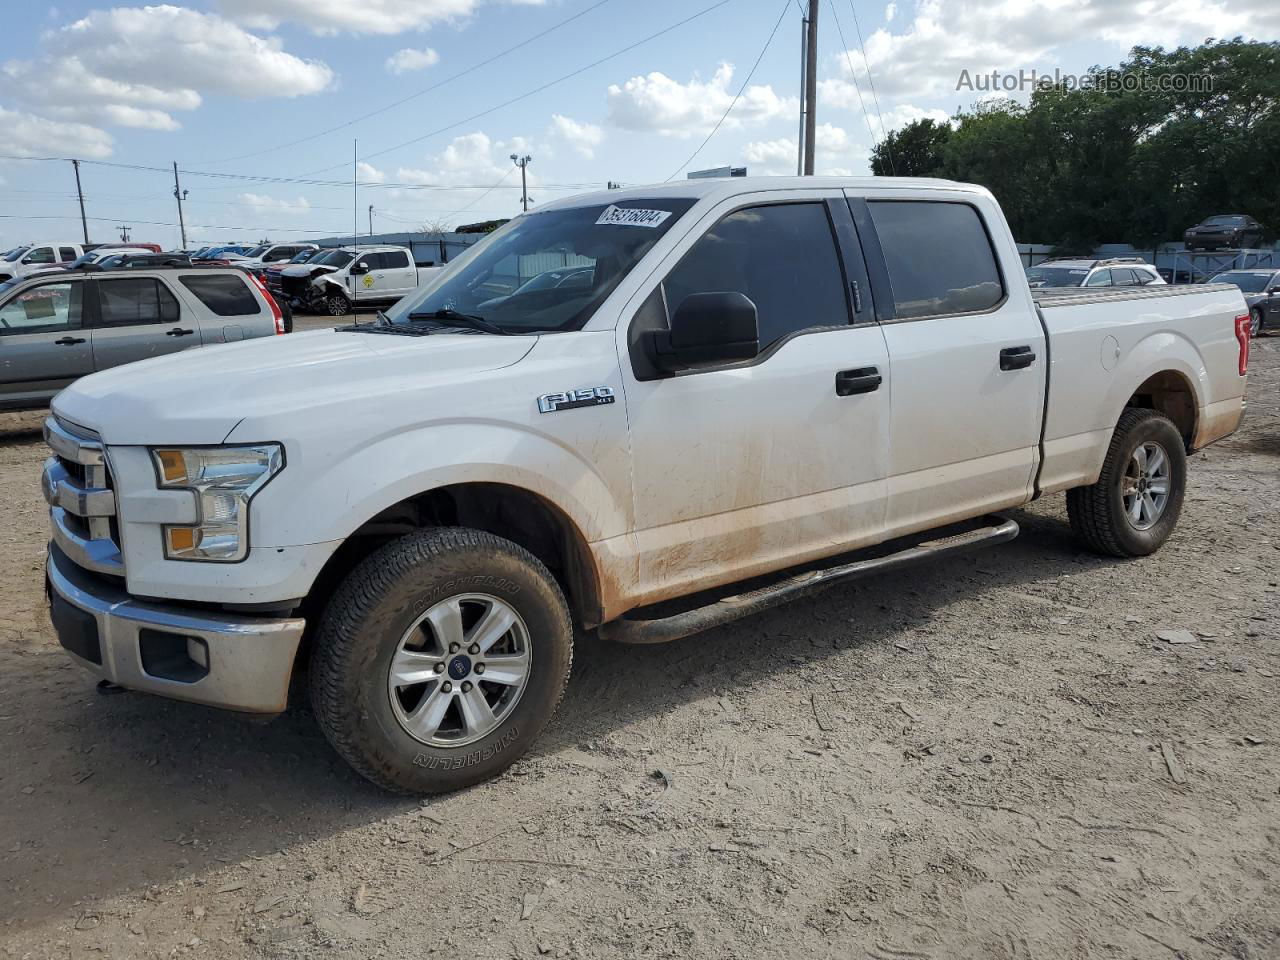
x=995, y=756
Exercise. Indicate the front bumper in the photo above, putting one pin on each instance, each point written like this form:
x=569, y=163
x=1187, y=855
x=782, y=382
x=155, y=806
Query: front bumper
x=220, y=659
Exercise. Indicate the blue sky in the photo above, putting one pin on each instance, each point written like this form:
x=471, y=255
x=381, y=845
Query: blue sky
x=221, y=86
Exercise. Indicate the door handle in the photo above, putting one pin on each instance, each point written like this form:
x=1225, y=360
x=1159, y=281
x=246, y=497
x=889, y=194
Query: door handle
x=178, y=332
x=69, y=341
x=861, y=380
x=1016, y=358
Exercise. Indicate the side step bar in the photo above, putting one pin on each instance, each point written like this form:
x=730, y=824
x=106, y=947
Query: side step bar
x=727, y=609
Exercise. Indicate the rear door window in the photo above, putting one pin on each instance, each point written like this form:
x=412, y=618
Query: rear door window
x=395, y=260
x=939, y=256
x=226, y=294
x=67, y=254
x=1123, y=277
x=1099, y=278
x=128, y=301
x=782, y=256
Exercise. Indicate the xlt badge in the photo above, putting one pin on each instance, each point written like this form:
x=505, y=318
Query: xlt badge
x=572, y=399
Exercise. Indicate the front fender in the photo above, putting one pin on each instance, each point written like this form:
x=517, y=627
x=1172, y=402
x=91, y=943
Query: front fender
x=324, y=499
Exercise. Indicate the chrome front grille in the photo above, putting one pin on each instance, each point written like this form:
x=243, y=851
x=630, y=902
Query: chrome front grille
x=82, y=502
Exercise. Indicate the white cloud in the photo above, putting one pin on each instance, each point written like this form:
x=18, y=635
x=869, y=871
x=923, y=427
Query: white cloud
x=257, y=201
x=404, y=61
x=130, y=66
x=926, y=55
x=27, y=135
x=836, y=154
x=472, y=159
x=581, y=136
x=368, y=173
x=890, y=11
x=656, y=103
x=384, y=17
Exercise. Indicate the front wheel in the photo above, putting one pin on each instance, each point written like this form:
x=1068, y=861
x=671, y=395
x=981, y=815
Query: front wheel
x=337, y=305
x=440, y=660
x=1132, y=509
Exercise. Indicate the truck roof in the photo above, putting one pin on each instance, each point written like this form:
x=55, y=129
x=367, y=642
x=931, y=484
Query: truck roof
x=719, y=187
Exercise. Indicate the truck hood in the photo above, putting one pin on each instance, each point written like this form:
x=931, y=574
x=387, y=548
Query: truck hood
x=307, y=269
x=199, y=396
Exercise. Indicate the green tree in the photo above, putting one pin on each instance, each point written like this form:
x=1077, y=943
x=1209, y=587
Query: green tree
x=913, y=151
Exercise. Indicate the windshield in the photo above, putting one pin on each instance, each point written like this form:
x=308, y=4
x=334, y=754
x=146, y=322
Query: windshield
x=15, y=253
x=303, y=257
x=600, y=244
x=1056, y=276
x=1248, y=282
x=1223, y=221
x=334, y=258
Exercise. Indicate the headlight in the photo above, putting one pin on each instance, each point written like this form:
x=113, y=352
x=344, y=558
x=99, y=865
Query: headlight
x=224, y=479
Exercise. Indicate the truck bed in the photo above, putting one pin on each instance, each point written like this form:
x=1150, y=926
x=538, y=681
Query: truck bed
x=1066, y=296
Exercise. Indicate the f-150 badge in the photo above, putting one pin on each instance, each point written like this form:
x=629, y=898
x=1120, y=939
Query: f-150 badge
x=572, y=399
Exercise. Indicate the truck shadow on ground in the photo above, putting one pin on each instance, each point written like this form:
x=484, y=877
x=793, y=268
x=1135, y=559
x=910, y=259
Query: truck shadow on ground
x=128, y=790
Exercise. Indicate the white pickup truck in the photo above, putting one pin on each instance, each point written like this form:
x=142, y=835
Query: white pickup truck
x=768, y=387
x=344, y=277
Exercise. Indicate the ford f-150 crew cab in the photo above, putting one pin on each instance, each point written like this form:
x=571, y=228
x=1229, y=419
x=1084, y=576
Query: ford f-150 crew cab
x=768, y=386
x=366, y=276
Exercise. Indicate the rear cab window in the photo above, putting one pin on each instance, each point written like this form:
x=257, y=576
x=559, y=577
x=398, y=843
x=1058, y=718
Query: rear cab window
x=226, y=294
x=939, y=256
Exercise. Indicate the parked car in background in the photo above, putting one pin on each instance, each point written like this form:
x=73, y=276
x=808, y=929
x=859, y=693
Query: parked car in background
x=55, y=328
x=565, y=278
x=266, y=254
x=1261, y=289
x=145, y=258
x=1226, y=231
x=33, y=257
x=1112, y=272
x=221, y=256
x=130, y=245
x=353, y=276
x=94, y=256
x=764, y=378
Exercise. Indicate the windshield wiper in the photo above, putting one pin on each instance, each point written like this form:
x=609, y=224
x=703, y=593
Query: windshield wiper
x=452, y=318
x=382, y=319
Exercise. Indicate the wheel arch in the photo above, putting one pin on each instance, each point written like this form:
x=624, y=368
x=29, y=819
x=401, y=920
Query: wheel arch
x=1172, y=393
x=515, y=513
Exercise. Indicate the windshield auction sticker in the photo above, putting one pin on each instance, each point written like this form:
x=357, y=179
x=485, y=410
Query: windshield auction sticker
x=621, y=217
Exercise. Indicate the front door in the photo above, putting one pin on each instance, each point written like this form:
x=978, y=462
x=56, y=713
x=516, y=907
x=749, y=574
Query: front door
x=43, y=343
x=138, y=317
x=747, y=468
x=968, y=358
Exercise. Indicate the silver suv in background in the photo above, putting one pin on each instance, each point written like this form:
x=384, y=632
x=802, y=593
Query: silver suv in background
x=1113, y=272
x=57, y=327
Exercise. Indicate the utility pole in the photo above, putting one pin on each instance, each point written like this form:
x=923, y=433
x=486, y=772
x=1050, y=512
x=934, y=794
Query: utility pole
x=124, y=233
x=179, y=194
x=811, y=87
x=804, y=92
x=523, y=162
x=371, y=221
x=84, y=222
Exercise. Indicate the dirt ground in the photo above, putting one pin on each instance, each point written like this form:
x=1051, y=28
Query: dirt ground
x=989, y=757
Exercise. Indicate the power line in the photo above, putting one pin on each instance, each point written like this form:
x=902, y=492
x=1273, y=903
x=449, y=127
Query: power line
x=853, y=78
x=425, y=90
x=872, y=83
x=536, y=90
x=733, y=103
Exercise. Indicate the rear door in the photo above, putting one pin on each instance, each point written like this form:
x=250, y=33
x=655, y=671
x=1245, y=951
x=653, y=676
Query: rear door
x=1099, y=278
x=137, y=318
x=967, y=353
x=43, y=341
x=397, y=276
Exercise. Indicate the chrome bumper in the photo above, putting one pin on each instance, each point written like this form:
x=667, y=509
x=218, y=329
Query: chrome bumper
x=222, y=660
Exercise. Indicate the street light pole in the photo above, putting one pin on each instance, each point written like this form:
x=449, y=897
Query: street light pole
x=522, y=163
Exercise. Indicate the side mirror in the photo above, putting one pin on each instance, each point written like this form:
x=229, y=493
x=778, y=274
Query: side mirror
x=707, y=328
x=359, y=268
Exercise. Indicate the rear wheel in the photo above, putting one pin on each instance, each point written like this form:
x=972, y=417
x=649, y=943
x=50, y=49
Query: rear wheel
x=1255, y=328
x=440, y=659
x=1133, y=508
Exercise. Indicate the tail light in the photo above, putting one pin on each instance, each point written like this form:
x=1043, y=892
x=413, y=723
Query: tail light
x=276, y=315
x=1242, y=337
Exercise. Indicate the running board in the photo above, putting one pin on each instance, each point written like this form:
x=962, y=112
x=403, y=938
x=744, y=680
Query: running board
x=727, y=609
